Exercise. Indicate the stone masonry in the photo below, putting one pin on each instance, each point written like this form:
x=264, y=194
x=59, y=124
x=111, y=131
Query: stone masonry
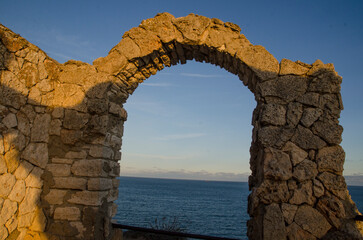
x=61, y=129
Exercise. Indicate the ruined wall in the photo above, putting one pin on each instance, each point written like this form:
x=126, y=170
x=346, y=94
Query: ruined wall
x=62, y=124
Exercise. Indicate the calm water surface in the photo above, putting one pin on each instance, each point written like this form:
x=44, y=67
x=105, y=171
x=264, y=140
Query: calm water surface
x=202, y=207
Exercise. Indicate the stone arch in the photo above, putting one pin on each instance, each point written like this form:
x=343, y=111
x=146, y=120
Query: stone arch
x=72, y=116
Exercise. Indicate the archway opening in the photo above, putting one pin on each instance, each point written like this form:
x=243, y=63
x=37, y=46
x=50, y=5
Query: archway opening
x=188, y=122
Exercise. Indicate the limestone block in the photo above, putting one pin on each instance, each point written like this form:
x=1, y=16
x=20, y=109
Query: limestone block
x=99, y=124
x=290, y=67
x=58, y=113
x=18, y=192
x=305, y=170
x=101, y=152
x=318, y=188
x=334, y=183
x=294, y=231
x=25, y=220
x=327, y=82
x=76, y=155
x=70, y=136
x=34, y=179
x=192, y=27
x=29, y=112
x=75, y=120
x=288, y=87
x=328, y=130
x=37, y=154
x=67, y=213
x=10, y=120
x=310, y=115
x=331, y=159
x=89, y=168
x=333, y=208
x=3, y=232
x=273, y=114
x=294, y=113
x=3, y=167
x=99, y=184
x=305, y=139
x=8, y=210
x=55, y=196
x=2, y=148
x=30, y=202
x=80, y=228
x=68, y=95
x=271, y=191
x=7, y=182
x=312, y=221
x=62, y=160
x=118, y=110
x=12, y=160
x=112, y=63
x=70, y=183
x=97, y=106
x=277, y=164
x=40, y=128
x=297, y=155
x=23, y=170
x=288, y=211
x=88, y=198
x=303, y=194
x=11, y=224
x=273, y=136
x=59, y=170
x=128, y=48
x=13, y=139
x=23, y=123
x=39, y=221
x=55, y=127
x=273, y=223
x=115, y=182
x=162, y=26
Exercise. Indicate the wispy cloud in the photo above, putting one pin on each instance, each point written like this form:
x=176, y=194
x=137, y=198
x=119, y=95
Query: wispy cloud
x=155, y=156
x=180, y=136
x=197, y=75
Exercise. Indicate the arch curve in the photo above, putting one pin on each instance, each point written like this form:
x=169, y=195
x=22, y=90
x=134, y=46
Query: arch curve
x=61, y=132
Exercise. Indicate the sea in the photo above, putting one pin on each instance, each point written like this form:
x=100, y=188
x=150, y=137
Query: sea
x=213, y=208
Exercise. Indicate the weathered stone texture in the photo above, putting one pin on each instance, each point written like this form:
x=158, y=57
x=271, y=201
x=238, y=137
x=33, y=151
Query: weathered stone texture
x=61, y=128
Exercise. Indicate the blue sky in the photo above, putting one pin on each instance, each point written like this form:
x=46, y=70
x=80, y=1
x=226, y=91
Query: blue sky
x=194, y=120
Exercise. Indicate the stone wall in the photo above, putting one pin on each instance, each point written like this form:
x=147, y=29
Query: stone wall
x=61, y=133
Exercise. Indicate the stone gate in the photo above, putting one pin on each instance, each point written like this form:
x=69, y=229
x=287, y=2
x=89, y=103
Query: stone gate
x=62, y=124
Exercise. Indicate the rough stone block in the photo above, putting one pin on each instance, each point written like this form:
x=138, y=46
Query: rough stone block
x=88, y=198
x=67, y=213
x=59, y=170
x=31, y=201
x=40, y=128
x=273, y=223
x=70, y=183
x=10, y=120
x=55, y=196
x=273, y=114
x=34, y=179
x=101, y=152
x=99, y=184
x=297, y=155
x=18, y=192
x=331, y=159
x=37, y=154
x=277, y=164
x=89, y=168
x=23, y=170
x=7, y=182
x=8, y=210
x=312, y=221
